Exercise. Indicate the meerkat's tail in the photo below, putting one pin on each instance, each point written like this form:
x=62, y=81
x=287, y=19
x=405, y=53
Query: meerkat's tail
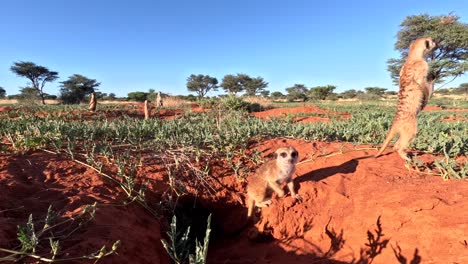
x=390, y=135
x=251, y=206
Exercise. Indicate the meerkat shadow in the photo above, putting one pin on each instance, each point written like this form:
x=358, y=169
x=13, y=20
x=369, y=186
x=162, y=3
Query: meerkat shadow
x=323, y=173
x=384, y=154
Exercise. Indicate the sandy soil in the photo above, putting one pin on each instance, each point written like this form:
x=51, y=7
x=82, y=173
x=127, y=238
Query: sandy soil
x=455, y=118
x=30, y=183
x=417, y=213
x=438, y=108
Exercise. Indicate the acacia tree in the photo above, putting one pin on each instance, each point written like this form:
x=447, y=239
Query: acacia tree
x=451, y=36
x=111, y=96
x=233, y=84
x=74, y=90
x=462, y=89
x=276, y=95
x=2, y=92
x=137, y=96
x=321, y=92
x=201, y=84
x=348, y=94
x=38, y=75
x=375, y=90
x=255, y=86
x=298, y=91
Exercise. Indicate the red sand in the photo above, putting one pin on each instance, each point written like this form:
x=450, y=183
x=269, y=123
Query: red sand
x=455, y=118
x=438, y=108
x=419, y=214
x=32, y=182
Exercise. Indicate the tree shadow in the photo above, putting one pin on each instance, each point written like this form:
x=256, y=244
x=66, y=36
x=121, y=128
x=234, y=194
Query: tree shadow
x=323, y=173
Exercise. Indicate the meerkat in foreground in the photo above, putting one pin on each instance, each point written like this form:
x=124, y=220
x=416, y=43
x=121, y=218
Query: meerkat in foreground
x=415, y=91
x=269, y=177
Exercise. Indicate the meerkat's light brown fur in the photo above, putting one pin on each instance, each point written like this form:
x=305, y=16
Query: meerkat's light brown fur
x=269, y=177
x=415, y=91
x=92, y=102
x=159, y=101
x=146, y=109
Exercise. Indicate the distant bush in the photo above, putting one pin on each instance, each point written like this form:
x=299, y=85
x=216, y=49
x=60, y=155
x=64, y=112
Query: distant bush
x=208, y=102
x=137, y=96
x=332, y=97
x=368, y=97
x=233, y=102
x=2, y=93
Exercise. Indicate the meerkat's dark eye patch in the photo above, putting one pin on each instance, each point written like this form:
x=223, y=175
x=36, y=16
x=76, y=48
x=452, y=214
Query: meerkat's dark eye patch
x=427, y=44
x=294, y=154
x=283, y=154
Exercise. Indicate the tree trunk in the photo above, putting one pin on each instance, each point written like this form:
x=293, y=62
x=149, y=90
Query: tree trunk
x=42, y=98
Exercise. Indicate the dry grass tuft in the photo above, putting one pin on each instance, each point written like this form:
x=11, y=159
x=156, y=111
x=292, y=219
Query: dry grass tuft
x=16, y=101
x=265, y=103
x=175, y=102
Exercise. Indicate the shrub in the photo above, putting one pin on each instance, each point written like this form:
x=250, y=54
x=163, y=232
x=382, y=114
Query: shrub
x=233, y=102
x=208, y=103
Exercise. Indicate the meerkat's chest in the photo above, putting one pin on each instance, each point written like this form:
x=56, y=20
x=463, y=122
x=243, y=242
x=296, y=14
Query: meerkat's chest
x=285, y=173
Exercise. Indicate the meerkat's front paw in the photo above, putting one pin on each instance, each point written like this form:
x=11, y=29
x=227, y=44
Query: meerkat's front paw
x=281, y=194
x=298, y=198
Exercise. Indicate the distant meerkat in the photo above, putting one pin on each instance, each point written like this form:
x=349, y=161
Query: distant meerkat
x=159, y=101
x=92, y=102
x=146, y=109
x=415, y=91
x=269, y=177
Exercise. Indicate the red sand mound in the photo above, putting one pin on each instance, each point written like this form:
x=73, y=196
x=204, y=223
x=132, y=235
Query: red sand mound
x=31, y=182
x=5, y=109
x=284, y=112
x=109, y=114
x=423, y=217
x=438, y=108
x=454, y=118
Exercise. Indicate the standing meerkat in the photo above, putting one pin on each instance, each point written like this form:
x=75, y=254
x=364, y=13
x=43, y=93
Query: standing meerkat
x=415, y=91
x=92, y=102
x=159, y=101
x=269, y=177
x=146, y=109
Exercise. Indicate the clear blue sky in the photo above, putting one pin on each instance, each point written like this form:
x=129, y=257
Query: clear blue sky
x=142, y=44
